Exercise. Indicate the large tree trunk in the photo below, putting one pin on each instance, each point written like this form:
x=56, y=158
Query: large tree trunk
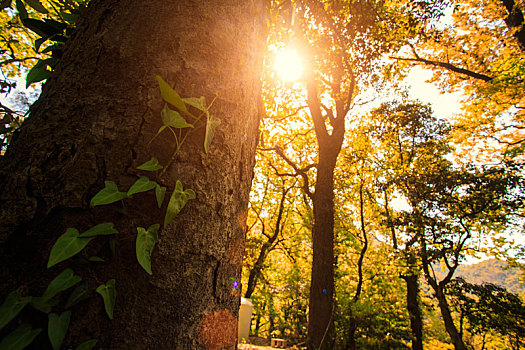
x=320, y=316
x=416, y=322
x=94, y=122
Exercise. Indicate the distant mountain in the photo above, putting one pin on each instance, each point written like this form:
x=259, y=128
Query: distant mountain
x=493, y=271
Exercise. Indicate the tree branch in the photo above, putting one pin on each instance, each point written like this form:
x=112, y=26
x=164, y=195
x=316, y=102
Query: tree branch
x=447, y=66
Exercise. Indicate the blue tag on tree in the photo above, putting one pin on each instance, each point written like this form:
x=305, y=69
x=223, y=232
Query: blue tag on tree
x=324, y=291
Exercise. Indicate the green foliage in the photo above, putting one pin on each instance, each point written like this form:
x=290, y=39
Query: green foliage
x=488, y=307
x=173, y=118
x=171, y=96
x=143, y=184
x=66, y=246
x=160, y=193
x=81, y=292
x=109, y=194
x=211, y=125
x=72, y=242
x=40, y=71
x=199, y=103
x=87, y=345
x=20, y=337
x=146, y=240
x=151, y=165
x=13, y=304
x=109, y=295
x=57, y=328
x=56, y=28
x=63, y=281
x=37, y=6
x=178, y=200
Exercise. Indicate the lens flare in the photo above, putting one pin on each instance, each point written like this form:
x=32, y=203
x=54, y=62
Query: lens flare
x=289, y=65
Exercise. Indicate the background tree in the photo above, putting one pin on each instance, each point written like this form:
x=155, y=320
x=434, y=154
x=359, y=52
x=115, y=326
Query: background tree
x=488, y=307
x=478, y=52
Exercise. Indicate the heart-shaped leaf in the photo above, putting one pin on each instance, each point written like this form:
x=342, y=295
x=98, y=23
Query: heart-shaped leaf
x=109, y=194
x=173, y=118
x=103, y=229
x=37, y=6
x=178, y=200
x=199, y=103
x=65, y=280
x=87, y=345
x=151, y=165
x=13, y=304
x=171, y=96
x=81, y=292
x=160, y=193
x=20, y=337
x=66, y=246
x=143, y=184
x=57, y=328
x=109, y=295
x=146, y=240
x=211, y=124
x=38, y=73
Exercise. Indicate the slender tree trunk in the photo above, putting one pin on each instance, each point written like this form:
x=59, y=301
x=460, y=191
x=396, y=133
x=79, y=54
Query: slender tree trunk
x=352, y=328
x=451, y=328
x=94, y=122
x=416, y=323
x=266, y=248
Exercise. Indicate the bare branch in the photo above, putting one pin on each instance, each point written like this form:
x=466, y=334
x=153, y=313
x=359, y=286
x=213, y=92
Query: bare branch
x=448, y=66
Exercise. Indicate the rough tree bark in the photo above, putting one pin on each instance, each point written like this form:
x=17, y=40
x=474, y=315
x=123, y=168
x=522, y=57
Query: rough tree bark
x=321, y=304
x=94, y=122
x=416, y=321
x=444, y=307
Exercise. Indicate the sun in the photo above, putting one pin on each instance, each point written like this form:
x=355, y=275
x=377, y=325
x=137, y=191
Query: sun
x=289, y=65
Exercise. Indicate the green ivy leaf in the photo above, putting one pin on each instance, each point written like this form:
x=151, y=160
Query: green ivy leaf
x=95, y=258
x=103, y=229
x=109, y=295
x=81, y=292
x=39, y=42
x=66, y=246
x=109, y=194
x=178, y=200
x=199, y=103
x=211, y=125
x=37, y=6
x=54, y=47
x=71, y=18
x=20, y=337
x=146, y=240
x=173, y=118
x=57, y=328
x=38, y=73
x=87, y=345
x=141, y=185
x=160, y=193
x=13, y=304
x=151, y=165
x=65, y=280
x=171, y=96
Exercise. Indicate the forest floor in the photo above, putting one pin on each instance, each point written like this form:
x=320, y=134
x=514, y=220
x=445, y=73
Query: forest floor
x=258, y=343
